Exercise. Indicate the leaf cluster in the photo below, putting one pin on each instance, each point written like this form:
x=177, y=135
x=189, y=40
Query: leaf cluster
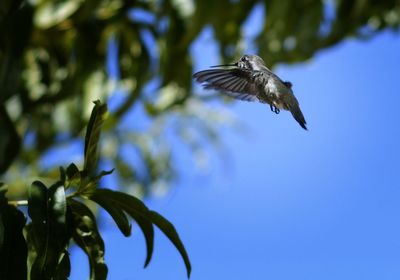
x=59, y=215
x=52, y=63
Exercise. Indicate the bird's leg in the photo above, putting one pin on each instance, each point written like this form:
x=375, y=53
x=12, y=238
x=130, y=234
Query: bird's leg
x=274, y=109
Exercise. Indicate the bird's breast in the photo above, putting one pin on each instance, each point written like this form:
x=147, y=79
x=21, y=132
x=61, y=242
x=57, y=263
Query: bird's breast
x=276, y=93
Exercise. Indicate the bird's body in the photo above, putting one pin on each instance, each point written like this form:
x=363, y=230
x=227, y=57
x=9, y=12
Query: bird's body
x=249, y=79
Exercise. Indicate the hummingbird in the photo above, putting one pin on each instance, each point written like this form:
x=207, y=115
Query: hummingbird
x=250, y=80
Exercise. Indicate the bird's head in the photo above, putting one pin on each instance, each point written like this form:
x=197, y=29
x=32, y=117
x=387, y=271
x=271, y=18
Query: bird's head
x=247, y=61
x=252, y=62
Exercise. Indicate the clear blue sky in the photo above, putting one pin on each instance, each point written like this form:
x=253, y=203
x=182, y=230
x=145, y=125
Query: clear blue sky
x=322, y=204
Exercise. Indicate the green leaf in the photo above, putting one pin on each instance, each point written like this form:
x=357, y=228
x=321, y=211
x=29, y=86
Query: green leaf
x=87, y=236
x=37, y=210
x=63, y=176
x=88, y=184
x=99, y=114
x=10, y=141
x=47, y=209
x=136, y=209
x=3, y=204
x=57, y=212
x=102, y=174
x=73, y=175
x=116, y=213
x=64, y=267
x=169, y=230
x=72, y=171
x=145, y=218
x=50, y=13
x=13, y=249
x=31, y=244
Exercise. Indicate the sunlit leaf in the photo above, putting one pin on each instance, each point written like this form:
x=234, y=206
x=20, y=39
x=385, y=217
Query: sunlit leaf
x=99, y=114
x=50, y=13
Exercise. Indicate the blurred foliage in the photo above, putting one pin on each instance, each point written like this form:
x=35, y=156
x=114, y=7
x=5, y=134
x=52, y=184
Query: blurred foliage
x=53, y=57
x=38, y=250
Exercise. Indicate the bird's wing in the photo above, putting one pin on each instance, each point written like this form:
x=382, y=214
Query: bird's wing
x=236, y=83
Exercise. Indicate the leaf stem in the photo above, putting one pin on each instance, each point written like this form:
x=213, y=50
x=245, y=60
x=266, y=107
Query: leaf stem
x=17, y=203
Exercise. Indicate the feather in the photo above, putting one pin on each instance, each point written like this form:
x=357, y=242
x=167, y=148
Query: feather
x=237, y=83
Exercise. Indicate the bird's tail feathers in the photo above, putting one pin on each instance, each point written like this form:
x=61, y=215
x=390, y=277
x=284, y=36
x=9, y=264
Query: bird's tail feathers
x=298, y=115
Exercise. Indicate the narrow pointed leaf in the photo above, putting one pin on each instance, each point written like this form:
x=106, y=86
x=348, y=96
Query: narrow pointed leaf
x=102, y=174
x=99, y=114
x=115, y=211
x=137, y=210
x=73, y=175
x=87, y=236
x=88, y=184
x=169, y=230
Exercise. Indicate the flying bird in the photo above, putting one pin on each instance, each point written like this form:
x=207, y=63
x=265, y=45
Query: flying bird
x=250, y=80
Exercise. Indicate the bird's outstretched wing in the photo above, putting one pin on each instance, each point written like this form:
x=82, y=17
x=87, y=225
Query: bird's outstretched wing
x=236, y=83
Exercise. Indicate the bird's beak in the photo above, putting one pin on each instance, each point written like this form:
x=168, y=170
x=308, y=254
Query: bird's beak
x=225, y=65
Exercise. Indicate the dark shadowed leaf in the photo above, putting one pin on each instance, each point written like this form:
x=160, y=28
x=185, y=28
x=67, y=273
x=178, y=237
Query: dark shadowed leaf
x=115, y=211
x=99, y=114
x=9, y=140
x=47, y=209
x=37, y=210
x=31, y=245
x=13, y=249
x=73, y=175
x=88, y=238
x=136, y=209
x=3, y=203
x=64, y=267
x=63, y=175
x=169, y=230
